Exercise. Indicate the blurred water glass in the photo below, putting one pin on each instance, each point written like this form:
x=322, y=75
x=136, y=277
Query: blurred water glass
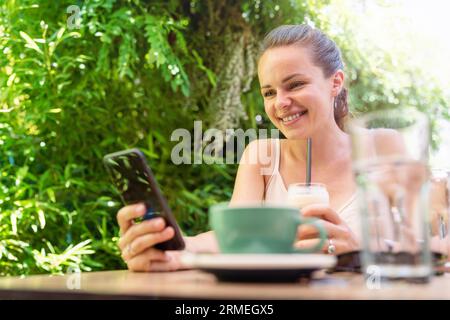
x=390, y=159
x=439, y=199
x=439, y=215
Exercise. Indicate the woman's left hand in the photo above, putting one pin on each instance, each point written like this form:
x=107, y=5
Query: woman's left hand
x=339, y=234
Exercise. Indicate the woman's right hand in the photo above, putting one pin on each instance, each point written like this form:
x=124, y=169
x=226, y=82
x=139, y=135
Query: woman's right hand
x=137, y=241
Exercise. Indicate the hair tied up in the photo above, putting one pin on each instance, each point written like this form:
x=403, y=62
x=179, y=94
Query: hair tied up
x=341, y=105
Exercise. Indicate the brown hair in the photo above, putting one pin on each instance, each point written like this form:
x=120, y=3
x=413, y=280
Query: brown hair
x=325, y=54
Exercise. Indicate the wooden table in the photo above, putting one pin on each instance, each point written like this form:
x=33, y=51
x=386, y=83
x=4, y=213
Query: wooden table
x=199, y=285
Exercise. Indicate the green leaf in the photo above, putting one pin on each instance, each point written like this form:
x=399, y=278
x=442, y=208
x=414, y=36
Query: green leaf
x=60, y=33
x=41, y=218
x=30, y=43
x=51, y=195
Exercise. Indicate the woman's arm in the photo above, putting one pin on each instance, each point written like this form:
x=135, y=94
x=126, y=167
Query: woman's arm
x=204, y=242
x=137, y=241
x=249, y=185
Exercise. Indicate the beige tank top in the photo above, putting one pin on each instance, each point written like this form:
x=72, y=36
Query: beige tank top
x=276, y=193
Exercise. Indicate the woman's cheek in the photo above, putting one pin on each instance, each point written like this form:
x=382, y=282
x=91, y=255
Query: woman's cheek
x=267, y=107
x=275, y=122
x=270, y=111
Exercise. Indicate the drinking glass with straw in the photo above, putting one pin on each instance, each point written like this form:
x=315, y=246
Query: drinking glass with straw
x=303, y=194
x=308, y=161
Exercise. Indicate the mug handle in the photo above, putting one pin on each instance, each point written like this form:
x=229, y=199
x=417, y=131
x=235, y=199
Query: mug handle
x=322, y=235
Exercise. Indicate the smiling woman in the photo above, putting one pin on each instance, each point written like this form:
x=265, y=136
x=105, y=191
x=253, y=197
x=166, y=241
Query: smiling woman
x=320, y=56
x=302, y=82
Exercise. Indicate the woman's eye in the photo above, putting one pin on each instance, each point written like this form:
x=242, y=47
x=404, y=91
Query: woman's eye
x=268, y=93
x=296, y=85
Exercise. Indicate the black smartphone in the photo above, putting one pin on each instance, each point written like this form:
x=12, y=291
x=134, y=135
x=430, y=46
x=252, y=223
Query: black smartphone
x=136, y=183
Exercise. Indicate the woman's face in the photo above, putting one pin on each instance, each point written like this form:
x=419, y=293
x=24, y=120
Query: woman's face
x=297, y=97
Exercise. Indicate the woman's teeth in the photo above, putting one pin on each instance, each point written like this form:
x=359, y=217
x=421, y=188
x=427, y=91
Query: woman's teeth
x=294, y=116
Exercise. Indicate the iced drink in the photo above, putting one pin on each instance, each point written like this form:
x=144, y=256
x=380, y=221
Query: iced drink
x=302, y=194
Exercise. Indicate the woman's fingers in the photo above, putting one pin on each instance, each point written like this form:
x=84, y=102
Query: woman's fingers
x=171, y=264
x=309, y=231
x=321, y=211
x=141, y=243
x=340, y=246
x=310, y=243
x=343, y=238
x=139, y=229
x=144, y=261
x=127, y=214
x=146, y=241
x=137, y=241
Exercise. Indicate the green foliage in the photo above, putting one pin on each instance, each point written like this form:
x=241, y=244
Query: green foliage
x=69, y=97
x=133, y=72
x=382, y=74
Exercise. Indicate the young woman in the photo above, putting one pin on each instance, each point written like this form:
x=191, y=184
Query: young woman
x=301, y=75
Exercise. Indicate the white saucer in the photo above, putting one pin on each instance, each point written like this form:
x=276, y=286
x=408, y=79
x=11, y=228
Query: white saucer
x=259, y=261
x=259, y=267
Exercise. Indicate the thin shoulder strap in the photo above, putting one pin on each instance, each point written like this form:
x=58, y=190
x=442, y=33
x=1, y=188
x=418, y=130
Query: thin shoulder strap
x=276, y=155
x=348, y=203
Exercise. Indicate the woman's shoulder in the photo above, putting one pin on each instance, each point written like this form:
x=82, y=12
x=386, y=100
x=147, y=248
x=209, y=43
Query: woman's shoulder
x=262, y=146
x=259, y=152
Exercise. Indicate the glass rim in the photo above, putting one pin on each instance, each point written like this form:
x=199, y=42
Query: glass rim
x=225, y=206
x=305, y=184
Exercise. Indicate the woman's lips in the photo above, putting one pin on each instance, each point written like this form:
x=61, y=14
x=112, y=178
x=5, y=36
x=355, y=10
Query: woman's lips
x=293, y=118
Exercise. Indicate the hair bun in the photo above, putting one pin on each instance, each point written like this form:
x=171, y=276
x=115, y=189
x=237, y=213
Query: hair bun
x=341, y=107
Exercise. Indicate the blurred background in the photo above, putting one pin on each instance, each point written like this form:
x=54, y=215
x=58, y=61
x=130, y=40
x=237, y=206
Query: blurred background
x=79, y=79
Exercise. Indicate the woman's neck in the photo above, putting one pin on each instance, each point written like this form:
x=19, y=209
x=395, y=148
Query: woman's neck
x=328, y=144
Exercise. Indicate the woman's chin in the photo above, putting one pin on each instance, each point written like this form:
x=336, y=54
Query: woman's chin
x=296, y=130
x=296, y=134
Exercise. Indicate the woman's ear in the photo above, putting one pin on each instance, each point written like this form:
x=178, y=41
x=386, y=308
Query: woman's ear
x=338, y=82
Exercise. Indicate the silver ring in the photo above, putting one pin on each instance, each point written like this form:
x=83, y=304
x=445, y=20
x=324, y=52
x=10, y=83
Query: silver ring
x=331, y=247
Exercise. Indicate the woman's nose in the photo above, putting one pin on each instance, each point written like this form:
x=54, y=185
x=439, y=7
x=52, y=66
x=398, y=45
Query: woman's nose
x=282, y=100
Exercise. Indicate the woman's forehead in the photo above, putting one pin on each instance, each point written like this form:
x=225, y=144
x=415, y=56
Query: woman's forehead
x=278, y=63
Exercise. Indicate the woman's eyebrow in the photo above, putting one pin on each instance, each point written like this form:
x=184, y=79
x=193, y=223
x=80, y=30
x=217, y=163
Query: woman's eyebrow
x=284, y=80
x=291, y=76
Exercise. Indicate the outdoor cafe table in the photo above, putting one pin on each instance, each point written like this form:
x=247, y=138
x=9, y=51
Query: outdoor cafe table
x=193, y=284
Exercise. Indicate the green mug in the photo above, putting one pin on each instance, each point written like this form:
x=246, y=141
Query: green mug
x=260, y=229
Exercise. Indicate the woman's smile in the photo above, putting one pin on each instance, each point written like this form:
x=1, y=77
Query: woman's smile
x=289, y=120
